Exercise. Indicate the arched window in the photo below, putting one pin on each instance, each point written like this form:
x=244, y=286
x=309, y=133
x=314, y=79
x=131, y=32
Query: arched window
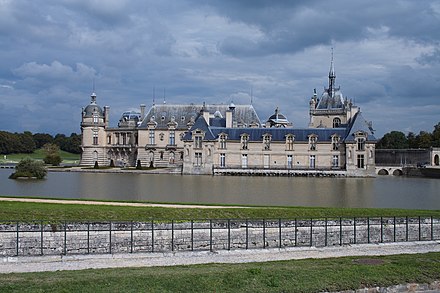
x=266, y=141
x=312, y=142
x=244, y=141
x=336, y=122
x=289, y=142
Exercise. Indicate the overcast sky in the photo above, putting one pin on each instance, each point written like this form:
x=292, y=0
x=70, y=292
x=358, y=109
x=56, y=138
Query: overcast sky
x=387, y=58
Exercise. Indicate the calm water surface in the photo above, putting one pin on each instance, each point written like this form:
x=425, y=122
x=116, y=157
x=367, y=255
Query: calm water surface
x=382, y=192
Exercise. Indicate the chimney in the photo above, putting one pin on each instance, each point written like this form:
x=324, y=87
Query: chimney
x=229, y=119
x=106, y=115
x=142, y=111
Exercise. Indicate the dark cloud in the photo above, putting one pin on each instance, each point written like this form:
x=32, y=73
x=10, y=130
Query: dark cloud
x=386, y=57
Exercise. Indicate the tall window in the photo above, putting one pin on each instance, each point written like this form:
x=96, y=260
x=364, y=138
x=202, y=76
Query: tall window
x=335, y=142
x=244, y=141
x=151, y=136
x=172, y=137
x=336, y=122
x=95, y=137
x=361, y=143
x=222, y=160
x=289, y=161
x=117, y=138
x=289, y=142
x=312, y=142
x=312, y=162
x=95, y=118
x=198, y=157
x=198, y=142
x=124, y=138
x=266, y=142
x=335, y=161
x=222, y=140
x=360, y=161
x=244, y=160
x=109, y=139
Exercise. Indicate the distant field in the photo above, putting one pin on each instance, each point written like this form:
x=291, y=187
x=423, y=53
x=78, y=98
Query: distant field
x=39, y=155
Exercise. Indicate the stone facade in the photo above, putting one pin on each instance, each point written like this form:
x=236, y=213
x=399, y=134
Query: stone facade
x=231, y=139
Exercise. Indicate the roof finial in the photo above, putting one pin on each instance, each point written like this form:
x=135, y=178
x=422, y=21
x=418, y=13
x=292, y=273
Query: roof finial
x=164, y=100
x=331, y=78
x=154, y=95
x=251, y=95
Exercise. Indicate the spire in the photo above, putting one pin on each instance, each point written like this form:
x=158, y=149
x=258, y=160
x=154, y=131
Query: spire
x=331, y=78
x=93, y=95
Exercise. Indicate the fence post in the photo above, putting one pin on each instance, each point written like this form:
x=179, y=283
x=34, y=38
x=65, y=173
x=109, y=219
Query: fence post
x=247, y=233
x=420, y=230
x=296, y=233
x=432, y=229
x=131, y=237
x=152, y=235
x=229, y=234
x=354, y=230
x=368, y=229
x=279, y=232
x=18, y=239
x=88, y=237
x=340, y=231
x=110, y=243
x=210, y=235
x=264, y=233
x=65, y=237
x=311, y=232
x=406, y=232
x=325, y=232
x=192, y=235
x=381, y=230
x=41, y=240
x=394, y=234
x=172, y=235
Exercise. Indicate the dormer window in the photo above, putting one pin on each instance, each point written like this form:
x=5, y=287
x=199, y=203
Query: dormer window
x=336, y=122
x=289, y=142
x=335, y=142
x=95, y=118
x=198, y=137
x=244, y=141
x=312, y=142
x=266, y=142
x=222, y=141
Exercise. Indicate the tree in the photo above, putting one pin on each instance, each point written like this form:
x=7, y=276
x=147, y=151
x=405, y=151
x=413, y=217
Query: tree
x=41, y=139
x=29, y=168
x=424, y=139
x=393, y=140
x=436, y=136
x=52, y=152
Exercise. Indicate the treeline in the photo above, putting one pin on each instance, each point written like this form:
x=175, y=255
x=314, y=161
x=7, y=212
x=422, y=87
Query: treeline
x=27, y=142
x=398, y=140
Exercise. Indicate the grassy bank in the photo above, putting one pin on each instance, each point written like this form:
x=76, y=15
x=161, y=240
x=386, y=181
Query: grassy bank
x=314, y=275
x=47, y=211
x=38, y=155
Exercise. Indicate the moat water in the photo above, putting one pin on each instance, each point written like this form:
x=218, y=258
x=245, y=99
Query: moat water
x=380, y=192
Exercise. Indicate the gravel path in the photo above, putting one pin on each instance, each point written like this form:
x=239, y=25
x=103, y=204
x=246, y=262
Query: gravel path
x=113, y=203
x=81, y=262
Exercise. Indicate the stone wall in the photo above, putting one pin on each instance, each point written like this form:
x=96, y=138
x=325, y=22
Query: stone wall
x=165, y=236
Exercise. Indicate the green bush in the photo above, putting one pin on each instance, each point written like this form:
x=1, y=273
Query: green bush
x=29, y=168
x=53, y=160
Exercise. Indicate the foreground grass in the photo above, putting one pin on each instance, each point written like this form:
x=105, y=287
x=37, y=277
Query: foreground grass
x=314, y=275
x=38, y=155
x=21, y=211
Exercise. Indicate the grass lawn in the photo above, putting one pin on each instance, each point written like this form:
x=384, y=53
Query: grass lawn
x=47, y=211
x=39, y=155
x=312, y=275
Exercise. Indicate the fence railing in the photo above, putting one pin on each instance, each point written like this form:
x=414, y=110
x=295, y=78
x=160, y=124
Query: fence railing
x=76, y=237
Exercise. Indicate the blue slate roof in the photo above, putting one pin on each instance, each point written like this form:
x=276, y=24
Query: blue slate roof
x=358, y=123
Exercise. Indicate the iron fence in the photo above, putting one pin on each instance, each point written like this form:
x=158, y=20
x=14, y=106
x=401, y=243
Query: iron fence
x=76, y=237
